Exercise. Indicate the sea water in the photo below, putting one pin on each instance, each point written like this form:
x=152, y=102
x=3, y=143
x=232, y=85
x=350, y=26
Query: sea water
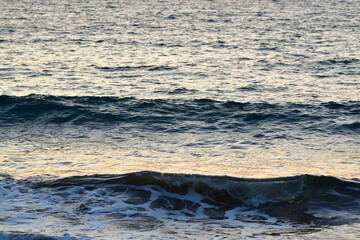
x=190, y=119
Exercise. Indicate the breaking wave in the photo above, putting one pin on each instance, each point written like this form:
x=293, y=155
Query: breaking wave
x=302, y=199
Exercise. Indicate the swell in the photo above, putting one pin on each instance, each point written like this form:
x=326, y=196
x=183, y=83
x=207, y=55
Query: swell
x=178, y=115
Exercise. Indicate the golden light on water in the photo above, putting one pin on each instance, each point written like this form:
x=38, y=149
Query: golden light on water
x=88, y=159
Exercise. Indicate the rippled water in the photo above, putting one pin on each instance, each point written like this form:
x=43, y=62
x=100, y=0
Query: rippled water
x=244, y=89
x=297, y=51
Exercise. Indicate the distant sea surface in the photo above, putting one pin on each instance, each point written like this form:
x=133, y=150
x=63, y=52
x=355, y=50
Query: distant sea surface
x=189, y=119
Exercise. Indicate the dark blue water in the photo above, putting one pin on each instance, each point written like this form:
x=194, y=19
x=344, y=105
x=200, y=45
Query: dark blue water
x=179, y=116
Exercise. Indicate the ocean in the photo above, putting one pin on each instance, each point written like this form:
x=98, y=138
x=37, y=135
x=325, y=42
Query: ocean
x=189, y=119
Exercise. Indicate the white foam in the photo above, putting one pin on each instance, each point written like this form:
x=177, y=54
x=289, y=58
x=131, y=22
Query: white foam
x=70, y=213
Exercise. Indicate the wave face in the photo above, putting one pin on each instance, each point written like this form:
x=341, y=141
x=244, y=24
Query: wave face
x=179, y=115
x=149, y=201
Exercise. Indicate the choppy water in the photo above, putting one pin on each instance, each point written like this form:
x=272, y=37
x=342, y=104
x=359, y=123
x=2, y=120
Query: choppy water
x=117, y=119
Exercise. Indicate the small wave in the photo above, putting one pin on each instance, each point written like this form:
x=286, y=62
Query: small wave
x=170, y=113
x=350, y=127
x=177, y=91
x=342, y=61
x=122, y=68
x=6, y=69
x=161, y=68
x=134, y=68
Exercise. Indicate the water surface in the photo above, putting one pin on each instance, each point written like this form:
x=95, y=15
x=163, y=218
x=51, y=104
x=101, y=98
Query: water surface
x=179, y=119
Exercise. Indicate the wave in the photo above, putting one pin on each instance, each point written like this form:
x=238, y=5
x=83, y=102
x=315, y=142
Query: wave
x=323, y=200
x=222, y=190
x=133, y=68
x=339, y=61
x=243, y=189
x=177, y=115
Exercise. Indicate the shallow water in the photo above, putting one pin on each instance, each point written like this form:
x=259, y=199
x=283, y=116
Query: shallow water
x=242, y=89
